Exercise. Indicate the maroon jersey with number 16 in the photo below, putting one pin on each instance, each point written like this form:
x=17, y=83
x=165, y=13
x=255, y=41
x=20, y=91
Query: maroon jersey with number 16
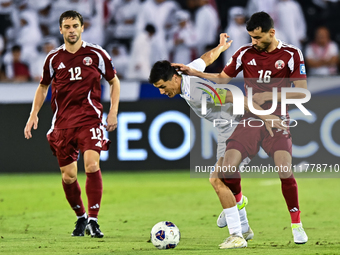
x=264, y=70
x=76, y=89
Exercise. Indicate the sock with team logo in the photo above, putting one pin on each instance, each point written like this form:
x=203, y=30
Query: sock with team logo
x=290, y=193
x=73, y=196
x=94, y=191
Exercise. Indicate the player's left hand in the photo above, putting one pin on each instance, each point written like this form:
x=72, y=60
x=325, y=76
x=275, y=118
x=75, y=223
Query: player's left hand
x=111, y=122
x=185, y=69
x=273, y=121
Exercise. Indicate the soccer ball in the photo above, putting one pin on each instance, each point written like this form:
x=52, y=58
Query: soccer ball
x=165, y=235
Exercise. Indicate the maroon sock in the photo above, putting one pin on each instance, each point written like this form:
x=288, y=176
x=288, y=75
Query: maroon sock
x=234, y=183
x=73, y=196
x=290, y=193
x=94, y=191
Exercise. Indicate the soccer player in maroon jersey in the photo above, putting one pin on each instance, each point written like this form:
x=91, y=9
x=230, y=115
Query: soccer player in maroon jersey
x=266, y=63
x=75, y=70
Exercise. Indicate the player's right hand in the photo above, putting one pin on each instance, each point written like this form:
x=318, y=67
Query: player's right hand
x=184, y=69
x=32, y=122
x=224, y=41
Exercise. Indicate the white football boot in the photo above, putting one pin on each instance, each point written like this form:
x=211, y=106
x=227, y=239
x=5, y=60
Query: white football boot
x=233, y=242
x=300, y=236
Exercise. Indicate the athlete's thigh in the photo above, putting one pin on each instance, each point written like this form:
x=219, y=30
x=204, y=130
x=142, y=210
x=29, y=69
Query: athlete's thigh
x=63, y=145
x=247, y=136
x=281, y=141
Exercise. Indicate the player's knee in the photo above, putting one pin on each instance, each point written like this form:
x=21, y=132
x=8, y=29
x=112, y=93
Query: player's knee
x=91, y=166
x=216, y=183
x=68, y=179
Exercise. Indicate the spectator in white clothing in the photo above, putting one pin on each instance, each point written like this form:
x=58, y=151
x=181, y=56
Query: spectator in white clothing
x=322, y=54
x=207, y=24
x=158, y=13
x=236, y=30
x=140, y=59
x=183, y=38
x=125, y=15
x=120, y=58
x=290, y=23
x=35, y=67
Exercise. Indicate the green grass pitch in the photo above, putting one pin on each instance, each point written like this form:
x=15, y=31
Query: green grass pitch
x=35, y=217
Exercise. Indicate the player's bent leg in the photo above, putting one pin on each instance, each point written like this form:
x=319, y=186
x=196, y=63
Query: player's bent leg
x=230, y=210
x=73, y=195
x=290, y=192
x=94, y=191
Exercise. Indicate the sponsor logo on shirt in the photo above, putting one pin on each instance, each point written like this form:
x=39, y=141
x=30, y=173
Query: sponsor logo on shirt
x=252, y=62
x=302, y=69
x=61, y=66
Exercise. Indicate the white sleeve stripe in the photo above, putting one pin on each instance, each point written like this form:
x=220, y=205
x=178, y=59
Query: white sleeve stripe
x=51, y=67
x=239, y=58
x=297, y=49
x=100, y=48
x=291, y=61
x=101, y=65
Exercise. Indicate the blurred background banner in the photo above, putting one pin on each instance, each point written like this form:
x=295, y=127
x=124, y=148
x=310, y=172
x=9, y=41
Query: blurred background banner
x=154, y=132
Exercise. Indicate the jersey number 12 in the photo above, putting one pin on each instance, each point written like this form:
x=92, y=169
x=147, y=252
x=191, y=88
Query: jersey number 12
x=75, y=74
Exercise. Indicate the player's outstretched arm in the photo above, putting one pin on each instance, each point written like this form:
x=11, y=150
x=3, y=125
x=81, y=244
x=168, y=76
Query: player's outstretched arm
x=210, y=56
x=39, y=98
x=114, y=95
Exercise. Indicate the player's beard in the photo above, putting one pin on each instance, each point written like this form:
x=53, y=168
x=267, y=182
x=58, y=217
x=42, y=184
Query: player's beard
x=72, y=41
x=264, y=47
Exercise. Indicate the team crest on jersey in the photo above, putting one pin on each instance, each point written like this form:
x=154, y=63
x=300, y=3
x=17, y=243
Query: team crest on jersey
x=87, y=61
x=279, y=64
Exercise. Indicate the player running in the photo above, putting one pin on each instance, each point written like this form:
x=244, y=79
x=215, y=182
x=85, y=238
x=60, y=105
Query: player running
x=266, y=63
x=170, y=82
x=75, y=70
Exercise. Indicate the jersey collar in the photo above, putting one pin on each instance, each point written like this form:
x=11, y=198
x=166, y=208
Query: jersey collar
x=82, y=45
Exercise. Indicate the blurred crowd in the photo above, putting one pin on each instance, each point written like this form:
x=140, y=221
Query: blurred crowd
x=137, y=33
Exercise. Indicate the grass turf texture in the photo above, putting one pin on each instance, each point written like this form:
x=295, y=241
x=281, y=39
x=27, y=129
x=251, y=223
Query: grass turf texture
x=35, y=217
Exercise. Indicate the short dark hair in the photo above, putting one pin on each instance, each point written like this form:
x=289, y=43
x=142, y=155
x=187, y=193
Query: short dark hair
x=260, y=19
x=71, y=15
x=150, y=28
x=16, y=48
x=162, y=70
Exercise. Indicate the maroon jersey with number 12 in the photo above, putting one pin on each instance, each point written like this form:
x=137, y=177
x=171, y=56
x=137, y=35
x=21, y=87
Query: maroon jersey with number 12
x=264, y=70
x=76, y=89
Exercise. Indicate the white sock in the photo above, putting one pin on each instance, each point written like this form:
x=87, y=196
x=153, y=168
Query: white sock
x=233, y=221
x=83, y=216
x=244, y=220
x=92, y=218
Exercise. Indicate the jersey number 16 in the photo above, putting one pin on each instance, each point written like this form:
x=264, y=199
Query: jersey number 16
x=264, y=78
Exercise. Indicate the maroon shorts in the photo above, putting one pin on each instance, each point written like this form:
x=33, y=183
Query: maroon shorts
x=66, y=143
x=248, y=140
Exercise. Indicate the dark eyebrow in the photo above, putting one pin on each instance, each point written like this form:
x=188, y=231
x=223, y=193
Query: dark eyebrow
x=256, y=37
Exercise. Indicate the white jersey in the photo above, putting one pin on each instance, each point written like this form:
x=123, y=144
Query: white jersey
x=192, y=93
